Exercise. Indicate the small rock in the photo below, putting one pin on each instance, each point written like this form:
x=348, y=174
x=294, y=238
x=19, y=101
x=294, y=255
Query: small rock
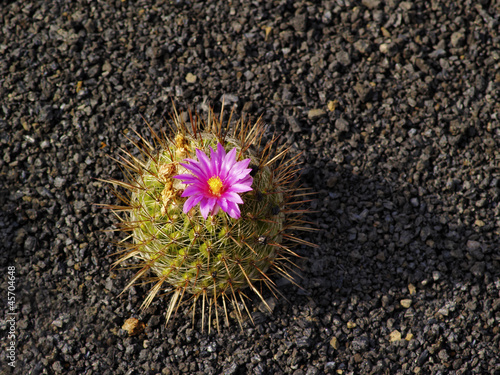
x=268, y=305
x=406, y=303
x=80, y=205
x=329, y=367
x=46, y=114
x=395, y=336
x=423, y=357
x=384, y=48
x=229, y=98
x=457, y=39
x=406, y=5
x=133, y=326
x=479, y=223
x=478, y=269
x=294, y=124
x=351, y=325
x=57, y=367
x=385, y=32
x=362, y=46
x=332, y=181
x=412, y=289
x=364, y=92
x=236, y=26
x=299, y=22
x=249, y=75
x=30, y=243
x=313, y=113
x=471, y=305
x=57, y=323
x=443, y=355
x=342, y=125
x=106, y=67
x=334, y=343
x=31, y=214
x=59, y=182
x=94, y=71
x=21, y=236
x=303, y=342
x=332, y=104
x=443, y=311
x=61, y=320
x=231, y=369
x=425, y=233
x=108, y=284
x=343, y=58
x=191, y=78
x=360, y=344
x=475, y=249
x=370, y=4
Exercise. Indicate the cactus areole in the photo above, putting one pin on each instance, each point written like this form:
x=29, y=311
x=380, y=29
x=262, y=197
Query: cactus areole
x=208, y=211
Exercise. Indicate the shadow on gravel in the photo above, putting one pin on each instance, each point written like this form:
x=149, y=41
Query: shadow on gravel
x=381, y=237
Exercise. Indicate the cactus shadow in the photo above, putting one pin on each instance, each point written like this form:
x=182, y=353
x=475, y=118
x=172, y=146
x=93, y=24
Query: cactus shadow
x=381, y=236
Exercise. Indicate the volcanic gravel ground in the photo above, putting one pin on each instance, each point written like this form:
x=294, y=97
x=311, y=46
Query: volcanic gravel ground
x=395, y=108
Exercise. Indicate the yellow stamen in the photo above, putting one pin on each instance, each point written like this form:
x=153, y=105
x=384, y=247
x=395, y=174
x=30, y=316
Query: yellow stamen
x=215, y=185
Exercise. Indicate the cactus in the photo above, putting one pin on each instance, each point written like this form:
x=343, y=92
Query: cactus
x=195, y=235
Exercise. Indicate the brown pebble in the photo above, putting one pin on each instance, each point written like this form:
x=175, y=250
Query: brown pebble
x=406, y=303
x=191, y=78
x=412, y=289
x=334, y=343
x=133, y=326
x=395, y=336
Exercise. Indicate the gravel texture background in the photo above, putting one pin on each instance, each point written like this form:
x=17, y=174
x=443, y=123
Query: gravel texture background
x=395, y=106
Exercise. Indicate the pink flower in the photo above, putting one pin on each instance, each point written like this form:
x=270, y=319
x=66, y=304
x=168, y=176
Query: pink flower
x=216, y=182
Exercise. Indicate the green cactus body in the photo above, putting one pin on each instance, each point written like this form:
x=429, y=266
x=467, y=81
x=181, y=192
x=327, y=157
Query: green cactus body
x=215, y=258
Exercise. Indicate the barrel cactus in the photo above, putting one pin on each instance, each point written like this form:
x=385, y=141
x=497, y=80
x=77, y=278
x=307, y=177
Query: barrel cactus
x=209, y=212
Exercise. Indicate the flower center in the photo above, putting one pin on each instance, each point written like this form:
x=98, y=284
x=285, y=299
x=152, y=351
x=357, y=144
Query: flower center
x=215, y=185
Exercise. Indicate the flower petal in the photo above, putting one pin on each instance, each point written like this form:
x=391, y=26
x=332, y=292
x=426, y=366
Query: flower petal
x=242, y=178
x=239, y=171
x=187, y=178
x=232, y=197
x=192, y=190
x=191, y=202
x=233, y=210
x=205, y=164
x=215, y=210
x=221, y=153
x=196, y=169
x=206, y=206
x=240, y=188
x=217, y=158
x=228, y=163
x=222, y=202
